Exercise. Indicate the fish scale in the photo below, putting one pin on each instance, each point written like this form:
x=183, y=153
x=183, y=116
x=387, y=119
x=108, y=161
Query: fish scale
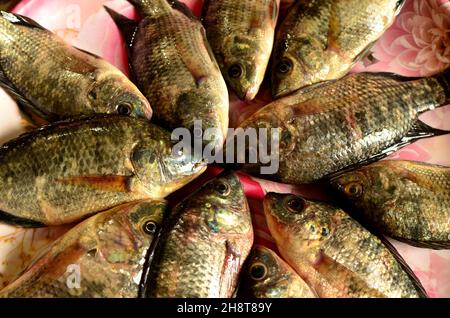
x=409, y=201
x=34, y=61
x=67, y=171
x=347, y=122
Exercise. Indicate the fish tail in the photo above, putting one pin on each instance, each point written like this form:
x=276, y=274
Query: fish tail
x=444, y=79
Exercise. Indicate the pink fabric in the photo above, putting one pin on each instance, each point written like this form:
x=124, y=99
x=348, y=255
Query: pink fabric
x=417, y=44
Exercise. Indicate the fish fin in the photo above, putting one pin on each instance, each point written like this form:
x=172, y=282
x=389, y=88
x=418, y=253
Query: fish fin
x=418, y=131
x=364, y=53
x=25, y=105
x=102, y=183
x=399, y=6
x=230, y=265
x=183, y=8
x=435, y=245
x=127, y=27
x=150, y=257
x=416, y=282
x=444, y=79
x=88, y=53
x=10, y=219
x=18, y=19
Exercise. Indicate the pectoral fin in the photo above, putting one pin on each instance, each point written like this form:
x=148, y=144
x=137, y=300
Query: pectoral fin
x=101, y=183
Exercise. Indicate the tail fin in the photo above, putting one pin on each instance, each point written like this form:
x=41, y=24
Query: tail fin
x=444, y=80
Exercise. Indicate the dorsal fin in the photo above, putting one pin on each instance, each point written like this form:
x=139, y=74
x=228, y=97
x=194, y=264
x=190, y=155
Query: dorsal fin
x=21, y=20
x=127, y=27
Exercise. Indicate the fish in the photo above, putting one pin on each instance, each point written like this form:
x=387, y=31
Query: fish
x=407, y=200
x=53, y=81
x=340, y=125
x=241, y=35
x=204, y=243
x=334, y=254
x=102, y=257
x=321, y=40
x=70, y=170
x=174, y=67
x=268, y=276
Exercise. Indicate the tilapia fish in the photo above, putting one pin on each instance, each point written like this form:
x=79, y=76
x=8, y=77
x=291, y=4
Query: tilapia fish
x=241, y=34
x=320, y=40
x=67, y=171
x=52, y=80
x=204, y=243
x=102, y=257
x=407, y=200
x=268, y=276
x=334, y=254
x=175, y=68
x=346, y=123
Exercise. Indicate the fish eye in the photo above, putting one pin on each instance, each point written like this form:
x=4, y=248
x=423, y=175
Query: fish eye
x=124, y=109
x=258, y=271
x=149, y=227
x=284, y=66
x=325, y=232
x=353, y=189
x=295, y=205
x=235, y=71
x=222, y=188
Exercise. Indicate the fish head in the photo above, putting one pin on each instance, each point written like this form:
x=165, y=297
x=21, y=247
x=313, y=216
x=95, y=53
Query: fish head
x=243, y=63
x=222, y=209
x=115, y=94
x=297, y=64
x=265, y=276
x=163, y=168
x=369, y=187
x=302, y=226
x=125, y=234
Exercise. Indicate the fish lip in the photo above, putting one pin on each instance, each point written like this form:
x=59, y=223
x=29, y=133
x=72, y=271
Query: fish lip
x=147, y=108
x=250, y=94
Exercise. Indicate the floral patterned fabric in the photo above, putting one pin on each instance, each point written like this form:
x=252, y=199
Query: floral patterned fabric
x=418, y=44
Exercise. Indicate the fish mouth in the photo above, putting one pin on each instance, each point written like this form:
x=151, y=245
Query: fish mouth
x=249, y=94
x=148, y=110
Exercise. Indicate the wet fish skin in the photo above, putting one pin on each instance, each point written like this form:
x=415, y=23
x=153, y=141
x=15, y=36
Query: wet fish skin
x=241, y=34
x=349, y=122
x=52, y=80
x=67, y=171
x=205, y=243
x=109, y=251
x=268, y=276
x=321, y=40
x=334, y=254
x=407, y=200
x=175, y=68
